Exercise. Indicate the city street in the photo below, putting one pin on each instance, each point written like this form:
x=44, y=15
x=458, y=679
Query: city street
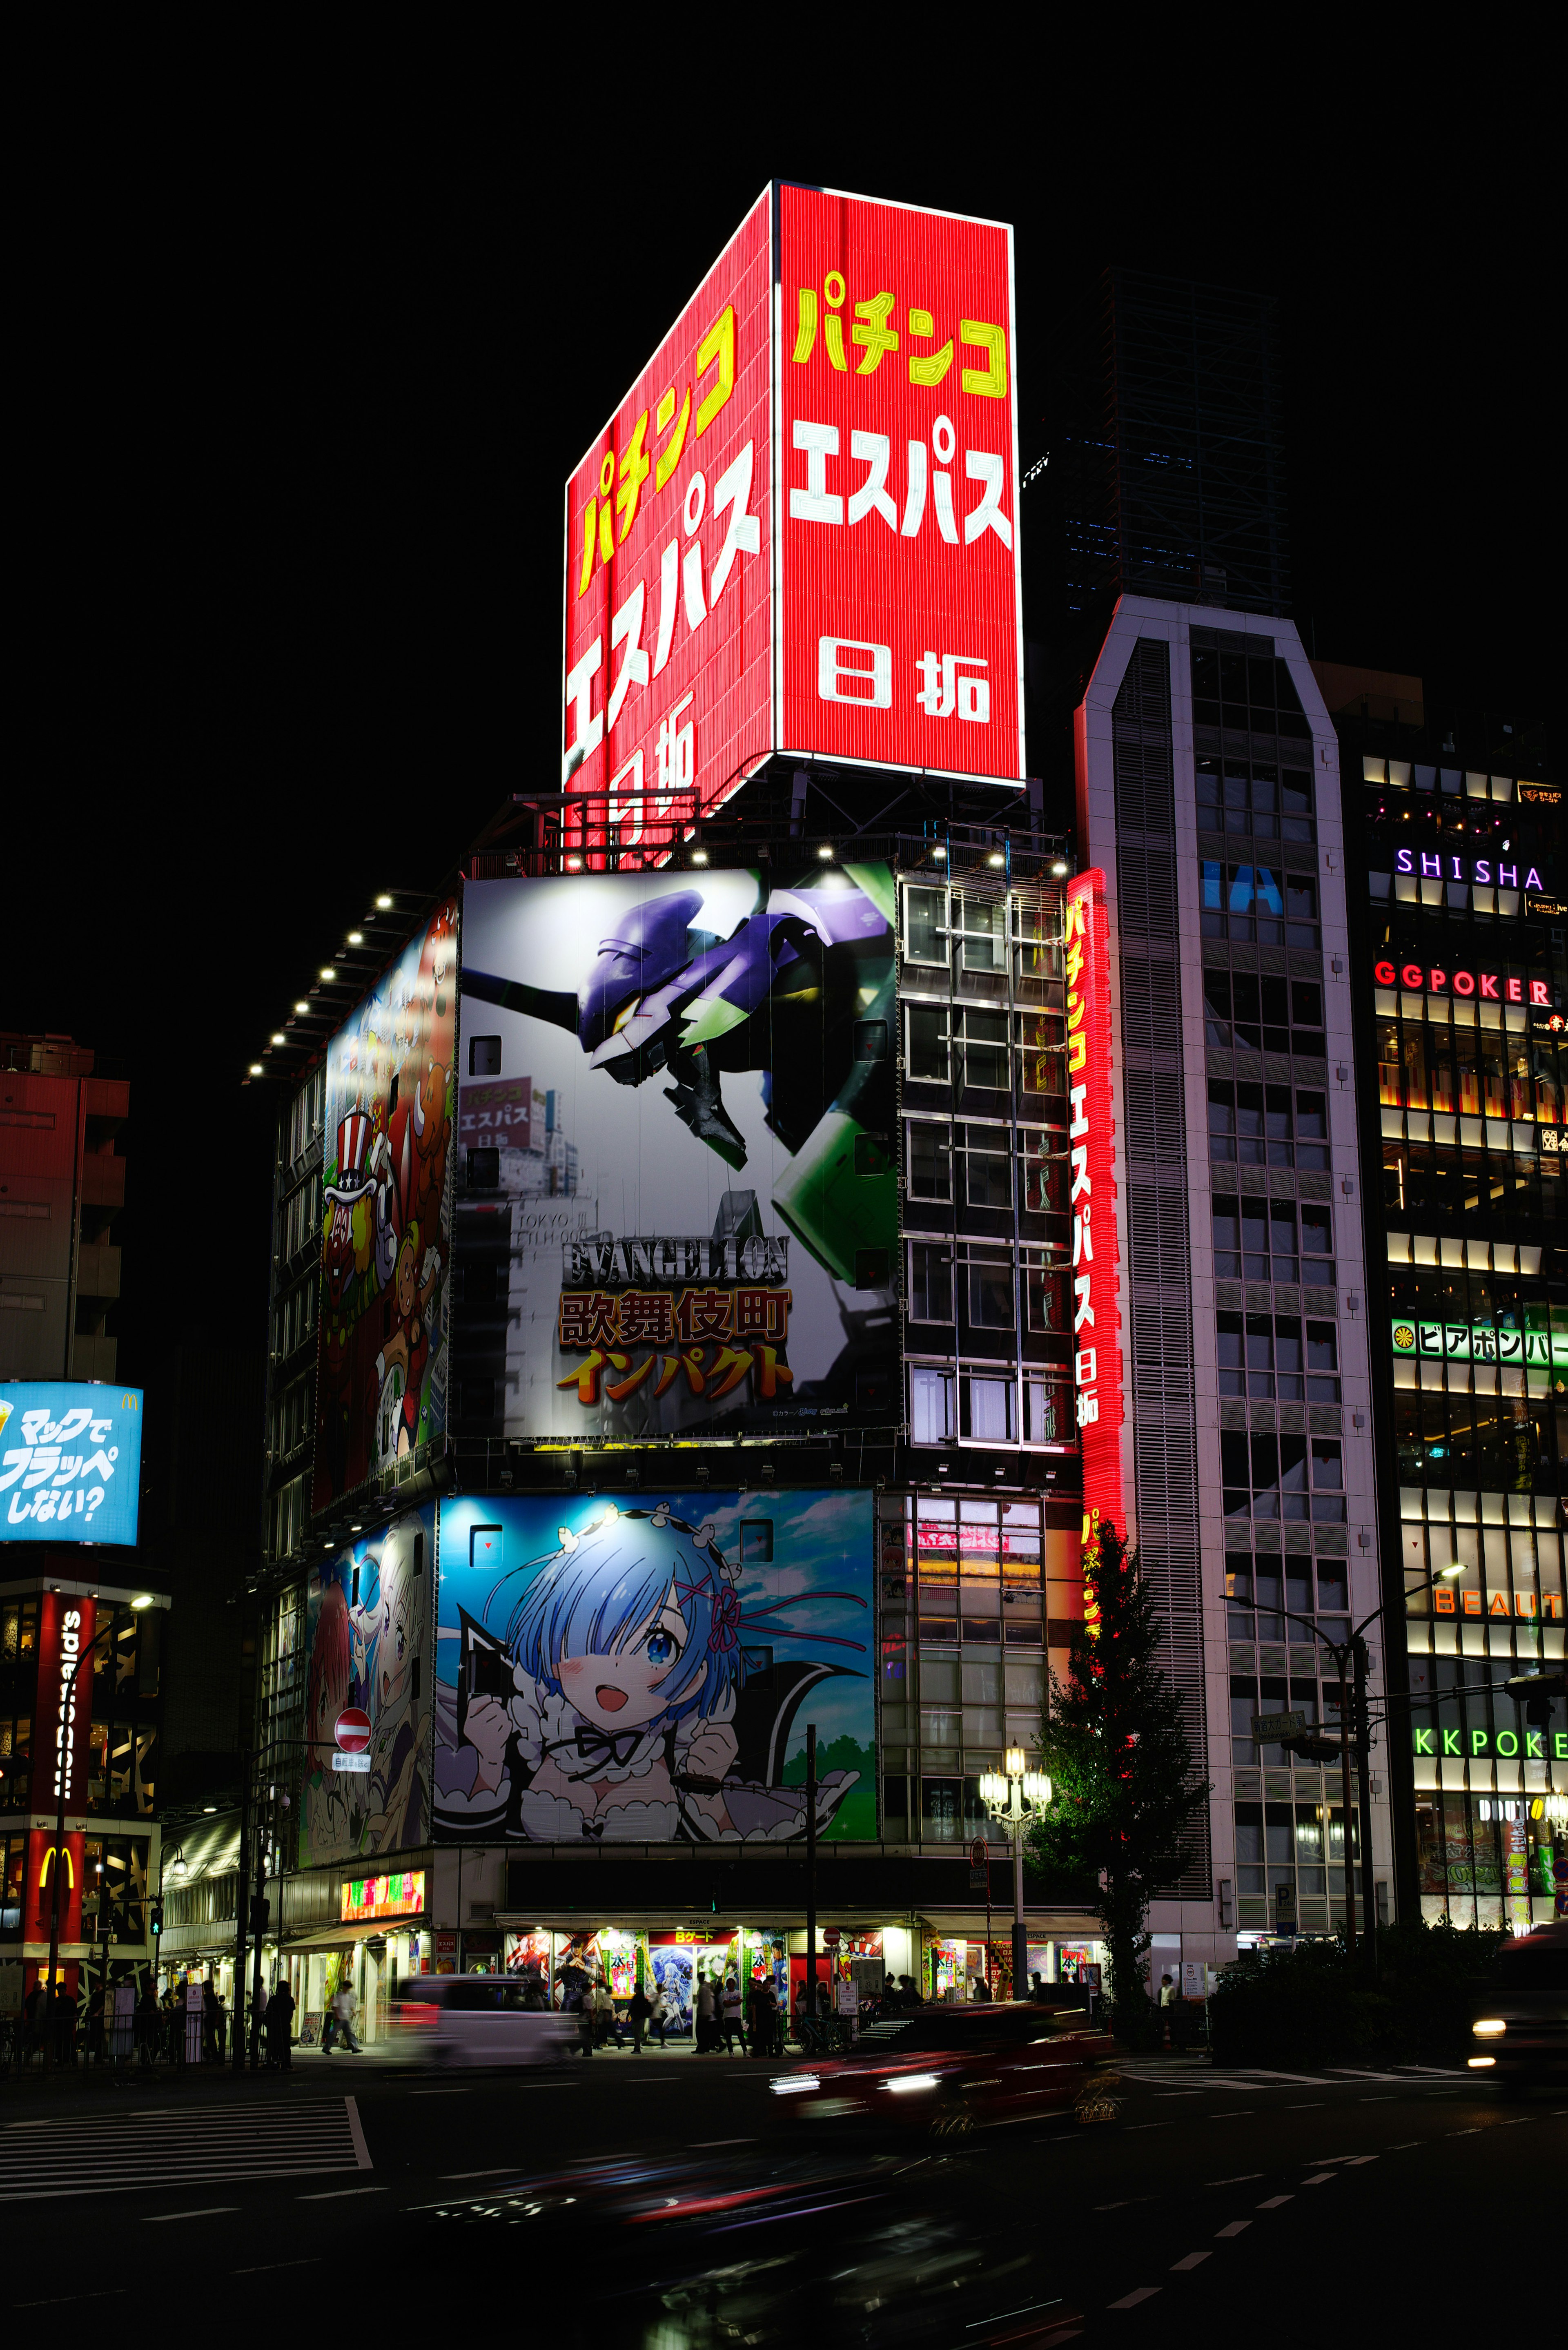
x=625, y=2184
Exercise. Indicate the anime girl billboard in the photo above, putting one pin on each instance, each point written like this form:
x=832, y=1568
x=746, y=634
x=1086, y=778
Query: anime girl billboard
x=365, y=1613
x=645, y=1674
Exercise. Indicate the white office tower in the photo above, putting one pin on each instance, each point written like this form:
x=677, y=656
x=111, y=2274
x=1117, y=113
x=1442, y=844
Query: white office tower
x=1208, y=784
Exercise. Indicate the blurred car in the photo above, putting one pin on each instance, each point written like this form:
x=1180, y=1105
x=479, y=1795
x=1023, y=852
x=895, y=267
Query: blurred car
x=953, y=2069
x=1519, y=2015
x=482, y=2019
x=763, y=2247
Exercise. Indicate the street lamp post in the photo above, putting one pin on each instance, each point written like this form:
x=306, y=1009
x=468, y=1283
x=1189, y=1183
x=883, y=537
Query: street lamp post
x=1015, y=1800
x=1350, y=1662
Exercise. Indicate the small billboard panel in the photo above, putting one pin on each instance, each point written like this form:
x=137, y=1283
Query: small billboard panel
x=702, y=1230
x=367, y=1707
x=70, y=1461
x=646, y=1675
x=380, y=1387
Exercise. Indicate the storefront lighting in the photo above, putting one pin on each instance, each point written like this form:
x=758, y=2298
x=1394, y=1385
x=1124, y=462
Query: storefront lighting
x=278, y=1038
x=1059, y=867
x=384, y=902
x=255, y=1069
x=699, y=857
x=574, y=864
x=826, y=852
x=939, y=856
x=327, y=973
x=355, y=937
x=302, y=1007
x=996, y=860
x=142, y=1599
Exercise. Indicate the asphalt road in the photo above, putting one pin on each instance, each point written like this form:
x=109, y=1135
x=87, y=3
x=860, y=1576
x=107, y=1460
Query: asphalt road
x=681, y=2201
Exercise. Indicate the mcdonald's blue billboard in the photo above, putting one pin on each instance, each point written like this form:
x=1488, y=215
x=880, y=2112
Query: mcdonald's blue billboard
x=70, y=1461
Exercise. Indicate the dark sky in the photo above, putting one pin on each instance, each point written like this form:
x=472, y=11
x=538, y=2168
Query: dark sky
x=301, y=417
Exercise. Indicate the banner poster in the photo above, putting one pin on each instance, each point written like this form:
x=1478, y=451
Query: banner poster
x=368, y=1705
x=680, y=1086
x=646, y=1675
x=386, y=1218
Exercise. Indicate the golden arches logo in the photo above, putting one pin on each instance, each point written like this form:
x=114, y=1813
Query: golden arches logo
x=129, y=1401
x=47, y=1861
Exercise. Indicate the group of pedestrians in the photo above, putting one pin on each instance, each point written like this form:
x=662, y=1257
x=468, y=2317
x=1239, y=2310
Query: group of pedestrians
x=720, y=2022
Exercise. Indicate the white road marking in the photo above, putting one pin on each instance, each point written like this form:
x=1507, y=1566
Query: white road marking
x=1131, y=2300
x=1235, y=2227
x=1274, y=2202
x=207, y=2211
x=1189, y=2260
x=335, y=2194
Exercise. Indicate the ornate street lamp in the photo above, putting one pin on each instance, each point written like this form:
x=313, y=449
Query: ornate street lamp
x=1014, y=1798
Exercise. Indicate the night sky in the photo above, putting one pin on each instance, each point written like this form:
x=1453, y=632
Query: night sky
x=300, y=434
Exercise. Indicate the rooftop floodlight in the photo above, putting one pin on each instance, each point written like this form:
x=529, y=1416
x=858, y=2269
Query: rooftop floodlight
x=278, y=1038
x=384, y=902
x=1058, y=867
x=699, y=857
x=355, y=937
x=826, y=852
x=256, y=1069
x=327, y=973
x=996, y=859
x=940, y=853
x=302, y=1006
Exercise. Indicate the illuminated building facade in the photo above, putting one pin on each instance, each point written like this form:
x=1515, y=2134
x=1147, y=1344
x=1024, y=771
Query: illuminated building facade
x=1460, y=984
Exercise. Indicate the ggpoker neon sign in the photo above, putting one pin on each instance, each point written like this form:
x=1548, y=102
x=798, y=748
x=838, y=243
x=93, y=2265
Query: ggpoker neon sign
x=1489, y=986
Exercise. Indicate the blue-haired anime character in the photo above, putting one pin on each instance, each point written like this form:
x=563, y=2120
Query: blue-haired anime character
x=626, y=1669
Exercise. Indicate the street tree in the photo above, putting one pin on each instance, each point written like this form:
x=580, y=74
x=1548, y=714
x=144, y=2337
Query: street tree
x=1125, y=1789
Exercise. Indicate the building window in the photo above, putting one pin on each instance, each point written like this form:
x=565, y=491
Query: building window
x=1267, y=1125
x=1255, y=901
x=930, y=1407
x=988, y=1410
x=1267, y=804
x=990, y=1288
x=930, y=1161
x=982, y=1049
x=927, y=1031
x=926, y=926
x=930, y=1284
x=988, y=1167
x=1267, y=1015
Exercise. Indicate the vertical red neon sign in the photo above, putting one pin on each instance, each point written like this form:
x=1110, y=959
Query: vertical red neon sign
x=1096, y=1284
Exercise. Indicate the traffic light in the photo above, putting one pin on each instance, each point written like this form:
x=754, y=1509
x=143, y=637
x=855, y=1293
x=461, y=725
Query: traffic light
x=155, y=1918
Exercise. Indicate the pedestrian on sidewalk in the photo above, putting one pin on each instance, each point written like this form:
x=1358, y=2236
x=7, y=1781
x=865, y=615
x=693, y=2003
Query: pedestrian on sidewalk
x=586, y=2023
x=279, y=2018
x=639, y=2012
x=146, y=2024
x=732, y=2015
x=706, y=2018
x=658, y=2013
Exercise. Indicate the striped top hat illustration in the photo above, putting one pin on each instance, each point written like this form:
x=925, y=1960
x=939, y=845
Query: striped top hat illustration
x=353, y=1142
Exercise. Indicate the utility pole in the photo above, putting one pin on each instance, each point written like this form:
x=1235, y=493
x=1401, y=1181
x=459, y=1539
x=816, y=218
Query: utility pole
x=1363, y=1792
x=240, y=1896
x=811, y=1871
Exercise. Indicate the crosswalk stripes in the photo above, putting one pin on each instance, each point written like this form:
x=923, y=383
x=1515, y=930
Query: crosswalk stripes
x=120, y=2153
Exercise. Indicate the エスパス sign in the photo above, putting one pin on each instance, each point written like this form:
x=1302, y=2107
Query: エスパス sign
x=799, y=531
x=899, y=632
x=1092, y=1200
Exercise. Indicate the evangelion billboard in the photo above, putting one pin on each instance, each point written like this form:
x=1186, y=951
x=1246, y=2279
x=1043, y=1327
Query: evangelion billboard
x=646, y=1675
x=703, y=1228
x=387, y=1218
x=799, y=532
